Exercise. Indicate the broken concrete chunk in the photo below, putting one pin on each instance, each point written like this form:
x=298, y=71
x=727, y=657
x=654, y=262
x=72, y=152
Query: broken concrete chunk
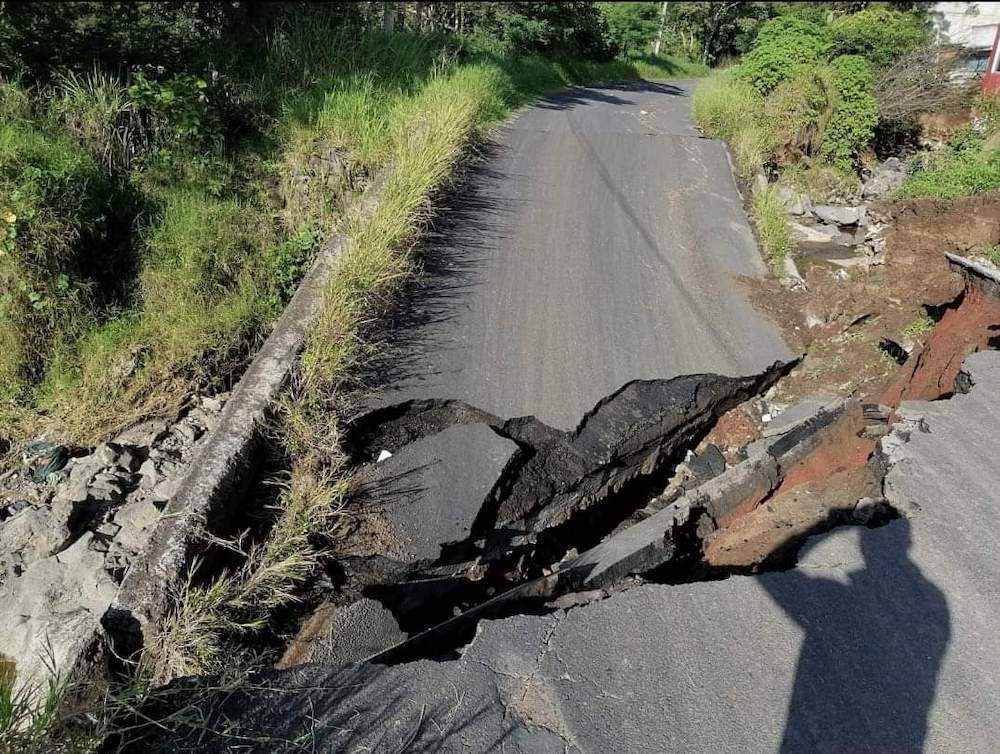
x=143, y=435
x=814, y=233
x=838, y=215
x=338, y=635
x=436, y=473
x=802, y=411
x=149, y=476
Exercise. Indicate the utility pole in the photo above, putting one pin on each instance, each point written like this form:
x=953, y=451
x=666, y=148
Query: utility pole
x=388, y=17
x=659, y=32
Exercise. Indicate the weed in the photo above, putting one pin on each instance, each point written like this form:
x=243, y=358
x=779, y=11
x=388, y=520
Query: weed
x=96, y=110
x=918, y=327
x=954, y=173
x=819, y=180
x=772, y=226
x=992, y=255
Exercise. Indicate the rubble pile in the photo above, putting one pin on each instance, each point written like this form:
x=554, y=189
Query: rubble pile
x=73, y=520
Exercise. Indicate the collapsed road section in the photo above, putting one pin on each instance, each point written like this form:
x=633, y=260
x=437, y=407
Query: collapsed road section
x=878, y=636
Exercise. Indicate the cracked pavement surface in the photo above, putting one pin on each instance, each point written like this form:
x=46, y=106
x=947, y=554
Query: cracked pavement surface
x=878, y=640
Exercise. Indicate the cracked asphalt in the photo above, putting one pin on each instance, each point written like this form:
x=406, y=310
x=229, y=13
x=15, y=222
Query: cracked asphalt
x=610, y=259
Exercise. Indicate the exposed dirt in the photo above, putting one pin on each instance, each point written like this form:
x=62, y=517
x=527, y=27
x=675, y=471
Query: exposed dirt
x=840, y=317
x=819, y=492
x=930, y=373
x=855, y=327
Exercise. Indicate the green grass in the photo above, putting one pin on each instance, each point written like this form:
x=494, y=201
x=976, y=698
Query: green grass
x=819, y=180
x=918, y=327
x=730, y=109
x=953, y=174
x=992, y=254
x=772, y=227
x=220, y=232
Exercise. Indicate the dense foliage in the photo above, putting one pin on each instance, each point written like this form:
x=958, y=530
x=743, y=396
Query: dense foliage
x=853, y=122
x=782, y=45
x=880, y=35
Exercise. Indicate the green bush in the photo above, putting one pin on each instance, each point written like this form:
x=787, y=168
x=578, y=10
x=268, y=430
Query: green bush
x=782, y=45
x=852, y=125
x=800, y=108
x=881, y=35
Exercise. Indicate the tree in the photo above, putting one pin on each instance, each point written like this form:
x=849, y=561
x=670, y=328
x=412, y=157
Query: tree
x=714, y=30
x=631, y=26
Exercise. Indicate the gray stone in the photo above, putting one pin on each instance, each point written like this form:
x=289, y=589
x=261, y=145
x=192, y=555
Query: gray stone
x=211, y=405
x=128, y=459
x=106, y=454
x=149, y=475
x=759, y=183
x=795, y=203
x=884, y=181
x=143, y=435
x=52, y=611
x=165, y=490
x=187, y=431
x=838, y=215
x=814, y=233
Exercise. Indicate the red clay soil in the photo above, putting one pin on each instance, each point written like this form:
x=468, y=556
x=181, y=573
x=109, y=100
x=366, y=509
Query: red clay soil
x=839, y=450
x=930, y=374
x=733, y=431
x=785, y=518
x=831, y=478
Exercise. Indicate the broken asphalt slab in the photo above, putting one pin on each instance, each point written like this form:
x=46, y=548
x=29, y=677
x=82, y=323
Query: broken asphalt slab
x=879, y=639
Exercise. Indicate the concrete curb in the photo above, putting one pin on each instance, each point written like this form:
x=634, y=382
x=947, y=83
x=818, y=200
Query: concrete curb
x=209, y=493
x=987, y=278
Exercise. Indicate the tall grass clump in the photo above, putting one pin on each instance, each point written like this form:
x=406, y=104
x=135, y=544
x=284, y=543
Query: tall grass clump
x=727, y=108
x=771, y=222
x=53, y=244
x=96, y=111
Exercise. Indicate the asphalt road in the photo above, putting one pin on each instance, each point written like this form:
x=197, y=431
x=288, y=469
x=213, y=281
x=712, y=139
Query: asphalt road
x=879, y=640
x=599, y=240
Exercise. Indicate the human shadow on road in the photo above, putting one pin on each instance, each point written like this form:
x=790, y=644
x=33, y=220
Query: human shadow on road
x=869, y=662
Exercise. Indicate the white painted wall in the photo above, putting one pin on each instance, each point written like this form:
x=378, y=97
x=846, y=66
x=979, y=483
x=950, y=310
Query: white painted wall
x=968, y=24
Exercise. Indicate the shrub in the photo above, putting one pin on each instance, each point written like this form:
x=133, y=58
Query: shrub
x=853, y=122
x=782, y=45
x=800, y=108
x=919, y=82
x=879, y=34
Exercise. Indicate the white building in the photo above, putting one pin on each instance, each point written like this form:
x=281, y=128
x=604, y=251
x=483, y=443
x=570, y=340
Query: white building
x=971, y=25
